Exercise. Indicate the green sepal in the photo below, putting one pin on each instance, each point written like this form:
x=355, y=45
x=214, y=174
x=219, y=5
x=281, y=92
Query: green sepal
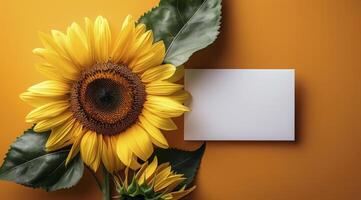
x=135, y=191
x=27, y=163
x=133, y=186
x=184, y=26
x=182, y=162
x=147, y=190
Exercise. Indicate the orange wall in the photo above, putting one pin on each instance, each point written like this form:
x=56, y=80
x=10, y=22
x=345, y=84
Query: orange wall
x=321, y=39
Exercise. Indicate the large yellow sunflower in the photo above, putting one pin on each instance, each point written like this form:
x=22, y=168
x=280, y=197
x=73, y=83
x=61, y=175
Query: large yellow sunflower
x=107, y=95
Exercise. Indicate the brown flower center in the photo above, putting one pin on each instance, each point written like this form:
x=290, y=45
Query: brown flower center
x=108, y=98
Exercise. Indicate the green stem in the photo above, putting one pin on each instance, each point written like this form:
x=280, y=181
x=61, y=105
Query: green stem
x=106, y=184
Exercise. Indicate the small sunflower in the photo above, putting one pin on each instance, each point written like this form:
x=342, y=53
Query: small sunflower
x=107, y=95
x=152, y=182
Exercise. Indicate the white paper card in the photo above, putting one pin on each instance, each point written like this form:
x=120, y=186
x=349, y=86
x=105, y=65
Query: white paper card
x=240, y=104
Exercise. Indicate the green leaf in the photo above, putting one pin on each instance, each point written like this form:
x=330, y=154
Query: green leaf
x=182, y=162
x=185, y=26
x=27, y=163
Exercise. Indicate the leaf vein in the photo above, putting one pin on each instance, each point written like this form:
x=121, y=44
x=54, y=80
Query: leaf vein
x=183, y=27
x=31, y=160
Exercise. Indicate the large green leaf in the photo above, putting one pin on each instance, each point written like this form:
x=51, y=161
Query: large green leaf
x=27, y=163
x=182, y=162
x=185, y=26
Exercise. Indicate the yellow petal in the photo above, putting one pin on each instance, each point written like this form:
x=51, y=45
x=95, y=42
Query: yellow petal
x=89, y=30
x=50, y=88
x=126, y=175
x=178, y=75
x=60, y=145
x=134, y=43
x=65, y=66
x=146, y=41
x=162, y=88
x=169, y=181
x=140, y=30
x=102, y=39
x=153, y=58
x=77, y=133
x=142, y=46
x=156, y=136
x=134, y=164
x=141, y=171
x=49, y=71
x=139, y=142
x=155, y=179
x=161, y=176
x=77, y=46
x=148, y=172
x=162, y=123
x=151, y=168
x=46, y=92
x=164, y=106
x=174, y=184
x=50, y=123
x=60, y=40
x=89, y=149
x=118, y=163
x=35, y=100
x=52, y=44
x=182, y=193
x=49, y=110
x=124, y=39
x=167, y=197
x=109, y=157
x=60, y=136
x=98, y=157
x=181, y=96
x=123, y=152
x=158, y=73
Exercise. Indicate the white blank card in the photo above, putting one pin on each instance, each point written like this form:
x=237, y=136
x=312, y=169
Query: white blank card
x=240, y=104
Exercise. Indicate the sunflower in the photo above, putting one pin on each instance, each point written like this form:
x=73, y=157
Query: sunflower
x=108, y=95
x=153, y=182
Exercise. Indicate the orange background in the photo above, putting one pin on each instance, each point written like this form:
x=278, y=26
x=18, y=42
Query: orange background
x=321, y=39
